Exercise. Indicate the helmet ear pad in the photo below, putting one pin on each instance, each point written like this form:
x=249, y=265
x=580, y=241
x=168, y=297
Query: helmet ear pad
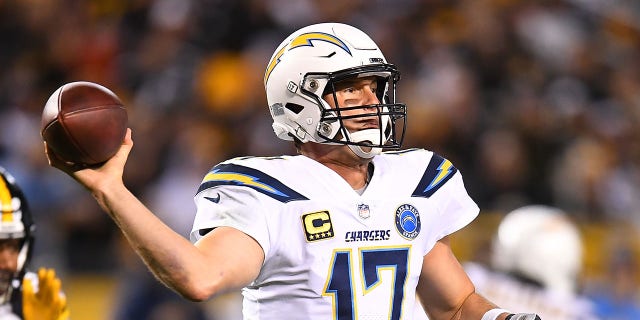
x=305, y=124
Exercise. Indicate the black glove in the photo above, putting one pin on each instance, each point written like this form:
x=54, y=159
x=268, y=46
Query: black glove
x=523, y=316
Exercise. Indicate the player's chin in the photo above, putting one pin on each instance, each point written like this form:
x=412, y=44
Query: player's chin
x=5, y=279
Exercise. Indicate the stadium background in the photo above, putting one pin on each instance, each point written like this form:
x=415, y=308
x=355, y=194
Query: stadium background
x=534, y=101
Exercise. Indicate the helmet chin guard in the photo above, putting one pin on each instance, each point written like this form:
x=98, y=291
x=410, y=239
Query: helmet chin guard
x=305, y=67
x=368, y=135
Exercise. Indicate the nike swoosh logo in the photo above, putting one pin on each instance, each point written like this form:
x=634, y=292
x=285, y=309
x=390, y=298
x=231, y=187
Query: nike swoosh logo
x=214, y=200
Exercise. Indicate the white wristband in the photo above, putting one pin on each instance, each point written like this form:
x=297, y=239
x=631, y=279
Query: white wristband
x=493, y=314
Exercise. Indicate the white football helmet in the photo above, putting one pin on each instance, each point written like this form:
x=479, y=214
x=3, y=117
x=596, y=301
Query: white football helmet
x=539, y=243
x=305, y=67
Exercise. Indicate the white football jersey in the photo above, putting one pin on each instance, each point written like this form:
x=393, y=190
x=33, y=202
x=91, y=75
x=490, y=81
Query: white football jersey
x=6, y=313
x=517, y=296
x=331, y=253
x=6, y=309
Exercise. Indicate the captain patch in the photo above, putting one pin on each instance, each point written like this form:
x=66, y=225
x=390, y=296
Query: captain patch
x=317, y=226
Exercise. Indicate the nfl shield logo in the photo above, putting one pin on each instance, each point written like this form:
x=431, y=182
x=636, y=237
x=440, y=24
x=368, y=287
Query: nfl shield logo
x=363, y=211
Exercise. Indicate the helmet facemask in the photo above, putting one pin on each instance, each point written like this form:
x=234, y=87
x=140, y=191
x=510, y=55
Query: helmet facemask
x=390, y=116
x=16, y=224
x=10, y=280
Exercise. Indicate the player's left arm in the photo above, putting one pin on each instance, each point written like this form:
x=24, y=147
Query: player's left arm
x=445, y=289
x=48, y=302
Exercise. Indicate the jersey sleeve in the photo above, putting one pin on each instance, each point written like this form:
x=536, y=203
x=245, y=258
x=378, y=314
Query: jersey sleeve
x=441, y=183
x=240, y=194
x=231, y=206
x=456, y=208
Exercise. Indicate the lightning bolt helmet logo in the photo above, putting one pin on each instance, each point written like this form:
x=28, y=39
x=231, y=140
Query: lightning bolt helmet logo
x=303, y=40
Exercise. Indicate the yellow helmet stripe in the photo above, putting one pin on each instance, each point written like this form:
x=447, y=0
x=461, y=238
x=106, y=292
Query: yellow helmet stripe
x=5, y=201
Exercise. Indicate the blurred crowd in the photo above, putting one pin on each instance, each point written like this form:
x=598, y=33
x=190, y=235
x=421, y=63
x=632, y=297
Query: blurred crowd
x=534, y=101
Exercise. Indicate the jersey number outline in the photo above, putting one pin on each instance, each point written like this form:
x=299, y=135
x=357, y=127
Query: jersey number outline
x=340, y=281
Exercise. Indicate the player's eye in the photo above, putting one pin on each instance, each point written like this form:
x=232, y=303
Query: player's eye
x=349, y=90
x=11, y=244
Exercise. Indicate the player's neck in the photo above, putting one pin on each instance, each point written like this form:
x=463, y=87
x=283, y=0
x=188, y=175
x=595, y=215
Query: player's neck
x=343, y=161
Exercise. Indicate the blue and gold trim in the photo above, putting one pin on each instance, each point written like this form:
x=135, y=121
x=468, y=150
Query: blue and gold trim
x=401, y=152
x=438, y=172
x=237, y=175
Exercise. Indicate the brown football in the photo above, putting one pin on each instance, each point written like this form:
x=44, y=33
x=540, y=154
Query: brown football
x=84, y=123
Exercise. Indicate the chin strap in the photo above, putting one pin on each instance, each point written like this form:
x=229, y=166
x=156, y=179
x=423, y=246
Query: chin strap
x=368, y=135
x=358, y=150
x=8, y=292
x=15, y=283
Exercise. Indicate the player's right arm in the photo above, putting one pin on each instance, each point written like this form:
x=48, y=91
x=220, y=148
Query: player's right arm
x=446, y=291
x=222, y=260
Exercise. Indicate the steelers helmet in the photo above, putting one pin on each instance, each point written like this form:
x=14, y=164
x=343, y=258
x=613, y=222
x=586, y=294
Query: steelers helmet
x=542, y=244
x=305, y=67
x=15, y=223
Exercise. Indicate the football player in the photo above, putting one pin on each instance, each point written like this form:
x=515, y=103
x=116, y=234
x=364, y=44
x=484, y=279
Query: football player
x=23, y=294
x=340, y=231
x=535, y=262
